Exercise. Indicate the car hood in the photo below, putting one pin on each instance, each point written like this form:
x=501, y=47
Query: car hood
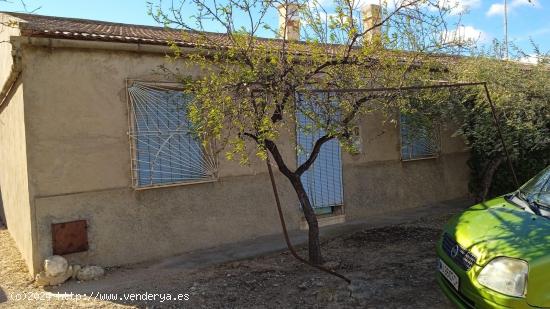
x=499, y=228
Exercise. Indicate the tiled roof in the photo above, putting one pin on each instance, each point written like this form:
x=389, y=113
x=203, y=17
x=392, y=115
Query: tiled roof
x=85, y=29
x=95, y=30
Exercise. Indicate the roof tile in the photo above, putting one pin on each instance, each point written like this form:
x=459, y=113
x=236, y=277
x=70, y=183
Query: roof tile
x=72, y=28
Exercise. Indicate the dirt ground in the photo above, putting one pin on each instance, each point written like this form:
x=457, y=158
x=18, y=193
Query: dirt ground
x=390, y=267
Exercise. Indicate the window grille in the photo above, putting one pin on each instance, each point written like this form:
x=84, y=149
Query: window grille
x=419, y=140
x=323, y=180
x=164, y=148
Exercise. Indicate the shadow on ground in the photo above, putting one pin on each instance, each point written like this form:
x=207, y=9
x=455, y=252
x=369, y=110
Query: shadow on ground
x=3, y=297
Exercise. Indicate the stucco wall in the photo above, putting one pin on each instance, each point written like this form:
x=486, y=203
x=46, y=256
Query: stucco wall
x=14, y=187
x=376, y=180
x=79, y=167
x=13, y=175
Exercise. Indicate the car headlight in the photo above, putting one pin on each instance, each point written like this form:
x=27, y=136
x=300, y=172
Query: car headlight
x=505, y=275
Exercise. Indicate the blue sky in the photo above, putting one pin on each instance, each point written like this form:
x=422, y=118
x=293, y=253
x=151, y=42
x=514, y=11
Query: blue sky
x=485, y=19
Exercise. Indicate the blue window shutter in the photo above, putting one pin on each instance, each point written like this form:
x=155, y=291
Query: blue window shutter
x=166, y=150
x=417, y=142
x=323, y=180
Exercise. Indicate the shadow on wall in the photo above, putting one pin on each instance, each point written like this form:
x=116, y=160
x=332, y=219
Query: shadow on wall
x=3, y=297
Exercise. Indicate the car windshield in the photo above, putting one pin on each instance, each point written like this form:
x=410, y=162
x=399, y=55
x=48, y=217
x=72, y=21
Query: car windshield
x=536, y=192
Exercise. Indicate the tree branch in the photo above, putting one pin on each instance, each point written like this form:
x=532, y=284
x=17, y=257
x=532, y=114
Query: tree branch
x=274, y=150
x=313, y=156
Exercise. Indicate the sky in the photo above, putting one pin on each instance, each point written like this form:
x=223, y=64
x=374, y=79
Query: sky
x=528, y=20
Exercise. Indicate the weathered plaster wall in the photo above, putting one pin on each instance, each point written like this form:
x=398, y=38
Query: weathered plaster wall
x=14, y=187
x=79, y=167
x=13, y=175
x=376, y=180
x=129, y=226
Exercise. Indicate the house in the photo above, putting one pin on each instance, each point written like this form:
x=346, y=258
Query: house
x=96, y=163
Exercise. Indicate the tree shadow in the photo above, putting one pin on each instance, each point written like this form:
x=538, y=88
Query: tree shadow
x=507, y=230
x=502, y=229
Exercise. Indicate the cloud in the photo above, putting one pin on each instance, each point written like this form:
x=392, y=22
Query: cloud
x=453, y=7
x=358, y=4
x=465, y=34
x=498, y=8
x=327, y=4
x=457, y=7
x=531, y=59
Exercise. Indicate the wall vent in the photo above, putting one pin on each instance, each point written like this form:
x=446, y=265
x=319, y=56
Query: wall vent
x=69, y=237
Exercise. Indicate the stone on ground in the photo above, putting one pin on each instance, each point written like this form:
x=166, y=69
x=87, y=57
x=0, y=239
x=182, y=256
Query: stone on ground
x=42, y=279
x=90, y=273
x=55, y=265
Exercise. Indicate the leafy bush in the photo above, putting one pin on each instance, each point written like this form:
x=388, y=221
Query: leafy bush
x=521, y=94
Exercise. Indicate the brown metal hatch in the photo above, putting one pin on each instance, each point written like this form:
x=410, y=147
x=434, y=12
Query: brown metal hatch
x=70, y=237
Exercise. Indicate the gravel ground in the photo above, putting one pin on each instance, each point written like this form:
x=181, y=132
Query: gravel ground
x=390, y=267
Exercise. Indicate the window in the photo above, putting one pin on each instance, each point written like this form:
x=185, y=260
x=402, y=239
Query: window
x=323, y=180
x=165, y=150
x=419, y=138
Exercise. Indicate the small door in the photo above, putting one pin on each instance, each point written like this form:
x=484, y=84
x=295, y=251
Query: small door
x=323, y=180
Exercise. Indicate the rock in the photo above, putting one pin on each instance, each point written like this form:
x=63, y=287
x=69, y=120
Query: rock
x=90, y=273
x=332, y=265
x=76, y=269
x=42, y=279
x=56, y=271
x=55, y=265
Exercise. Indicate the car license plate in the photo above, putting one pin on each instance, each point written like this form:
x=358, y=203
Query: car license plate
x=449, y=274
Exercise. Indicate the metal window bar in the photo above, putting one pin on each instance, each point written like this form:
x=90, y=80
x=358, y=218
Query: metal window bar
x=165, y=149
x=417, y=141
x=323, y=180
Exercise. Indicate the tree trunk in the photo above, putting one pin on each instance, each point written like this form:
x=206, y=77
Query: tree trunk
x=487, y=180
x=314, y=244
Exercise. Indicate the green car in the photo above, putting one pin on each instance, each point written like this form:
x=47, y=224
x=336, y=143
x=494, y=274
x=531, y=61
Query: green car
x=497, y=254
